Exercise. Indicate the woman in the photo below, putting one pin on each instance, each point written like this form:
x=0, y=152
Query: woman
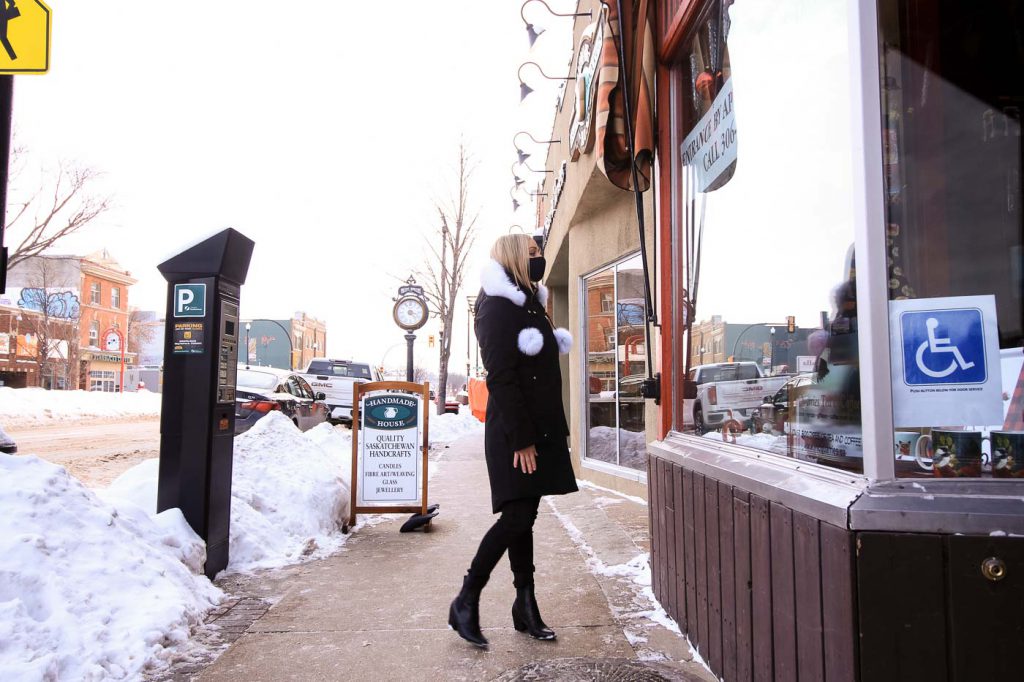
x=525, y=430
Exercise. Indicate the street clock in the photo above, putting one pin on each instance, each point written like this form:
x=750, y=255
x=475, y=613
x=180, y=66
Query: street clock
x=410, y=312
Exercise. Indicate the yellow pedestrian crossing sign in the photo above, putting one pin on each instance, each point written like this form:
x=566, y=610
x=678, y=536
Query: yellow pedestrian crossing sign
x=24, y=37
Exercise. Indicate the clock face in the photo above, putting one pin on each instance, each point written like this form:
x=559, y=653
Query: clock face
x=113, y=342
x=410, y=313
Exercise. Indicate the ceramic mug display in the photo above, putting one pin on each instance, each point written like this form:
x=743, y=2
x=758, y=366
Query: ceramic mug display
x=906, y=444
x=1008, y=454
x=950, y=454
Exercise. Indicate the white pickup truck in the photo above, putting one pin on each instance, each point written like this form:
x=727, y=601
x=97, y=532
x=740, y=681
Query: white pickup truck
x=726, y=390
x=335, y=378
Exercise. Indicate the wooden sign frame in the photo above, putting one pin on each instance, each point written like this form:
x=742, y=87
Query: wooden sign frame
x=360, y=390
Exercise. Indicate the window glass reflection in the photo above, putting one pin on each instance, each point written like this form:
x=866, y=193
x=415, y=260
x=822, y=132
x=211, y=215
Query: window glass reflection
x=951, y=121
x=616, y=365
x=631, y=350
x=765, y=234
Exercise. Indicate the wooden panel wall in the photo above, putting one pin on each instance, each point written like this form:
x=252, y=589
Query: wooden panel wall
x=763, y=592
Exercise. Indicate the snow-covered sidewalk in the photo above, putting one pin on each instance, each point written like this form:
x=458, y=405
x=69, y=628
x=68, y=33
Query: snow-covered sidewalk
x=95, y=585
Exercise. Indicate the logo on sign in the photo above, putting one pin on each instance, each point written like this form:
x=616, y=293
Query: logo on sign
x=190, y=300
x=943, y=347
x=390, y=413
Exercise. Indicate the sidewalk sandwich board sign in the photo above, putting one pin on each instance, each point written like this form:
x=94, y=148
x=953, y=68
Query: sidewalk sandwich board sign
x=389, y=448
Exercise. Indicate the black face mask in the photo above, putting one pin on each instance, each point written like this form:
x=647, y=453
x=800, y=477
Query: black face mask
x=537, y=267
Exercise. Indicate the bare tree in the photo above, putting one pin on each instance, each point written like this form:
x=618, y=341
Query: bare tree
x=63, y=202
x=54, y=320
x=140, y=332
x=445, y=268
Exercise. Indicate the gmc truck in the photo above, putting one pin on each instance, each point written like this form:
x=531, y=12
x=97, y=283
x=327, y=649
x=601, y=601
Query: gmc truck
x=722, y=391
x=335, y=378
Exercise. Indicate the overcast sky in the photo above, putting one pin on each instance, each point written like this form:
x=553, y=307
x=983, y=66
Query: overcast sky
x=321, y=130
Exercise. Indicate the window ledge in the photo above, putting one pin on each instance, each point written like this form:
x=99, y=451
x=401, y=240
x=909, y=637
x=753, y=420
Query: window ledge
x=823, y=493
x=614, y=470
x=969, y=506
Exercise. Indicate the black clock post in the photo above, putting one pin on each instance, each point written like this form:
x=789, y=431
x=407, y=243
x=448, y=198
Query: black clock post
x=409, y=339
x=410, y=313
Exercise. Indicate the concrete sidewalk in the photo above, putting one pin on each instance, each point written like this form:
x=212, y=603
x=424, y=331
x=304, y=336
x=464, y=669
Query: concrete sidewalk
x=378, y=610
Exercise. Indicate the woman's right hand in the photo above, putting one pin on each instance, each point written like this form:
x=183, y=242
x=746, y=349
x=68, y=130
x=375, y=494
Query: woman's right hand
x=526, y=459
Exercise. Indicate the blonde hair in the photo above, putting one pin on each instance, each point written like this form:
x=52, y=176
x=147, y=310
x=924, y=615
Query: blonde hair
x=512, y=252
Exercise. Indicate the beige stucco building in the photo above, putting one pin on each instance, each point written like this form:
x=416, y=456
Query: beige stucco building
x=596, y=283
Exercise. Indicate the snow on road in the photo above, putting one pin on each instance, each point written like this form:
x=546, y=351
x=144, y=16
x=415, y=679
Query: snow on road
x=22, y=407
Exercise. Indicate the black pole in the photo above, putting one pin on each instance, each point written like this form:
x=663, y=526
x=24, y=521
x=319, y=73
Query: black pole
x=409, y=338
x=6, y=102
x=651, y=389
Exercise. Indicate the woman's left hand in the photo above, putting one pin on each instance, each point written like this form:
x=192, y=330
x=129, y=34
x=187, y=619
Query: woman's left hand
x=525, y=459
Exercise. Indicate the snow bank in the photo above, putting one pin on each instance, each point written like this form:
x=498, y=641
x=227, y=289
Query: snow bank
x=90, y=591
x=449, y=427
x=632, y=446
x=761, y=441
x=21, y=407
x=289, y=492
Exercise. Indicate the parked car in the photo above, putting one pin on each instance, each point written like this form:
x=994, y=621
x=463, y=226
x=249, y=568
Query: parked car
x=720, y=391
x=259, y=390
x=336, y=378
x=451, y=403
x=774, y=412
x=7, y=444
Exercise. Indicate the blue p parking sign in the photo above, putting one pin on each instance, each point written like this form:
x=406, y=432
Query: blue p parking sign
x=943, y=347
x=190, y=300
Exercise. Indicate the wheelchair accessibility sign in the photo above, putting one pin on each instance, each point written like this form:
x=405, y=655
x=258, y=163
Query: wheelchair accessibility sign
x=945, y=361
x=943, y=347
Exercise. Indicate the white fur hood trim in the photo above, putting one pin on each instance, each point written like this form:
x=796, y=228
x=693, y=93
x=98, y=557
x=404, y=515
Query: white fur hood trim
x=531, y=341
x=495, y=282
x=564, y=339
x=542, y=295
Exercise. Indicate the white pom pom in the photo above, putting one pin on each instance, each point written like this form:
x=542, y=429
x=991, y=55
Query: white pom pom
x=564, y=339
x=531, y=341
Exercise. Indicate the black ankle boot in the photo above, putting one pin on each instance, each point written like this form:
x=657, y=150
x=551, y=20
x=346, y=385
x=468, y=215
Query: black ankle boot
x=464, y=614
x=526, y=615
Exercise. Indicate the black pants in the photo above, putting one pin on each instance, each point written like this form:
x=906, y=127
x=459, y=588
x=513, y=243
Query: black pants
x=513, y=531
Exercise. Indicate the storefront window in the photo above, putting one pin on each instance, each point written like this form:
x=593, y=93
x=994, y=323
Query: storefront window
x=951, y=121
x=103, y=380
x=616, y=364
x=767, y=310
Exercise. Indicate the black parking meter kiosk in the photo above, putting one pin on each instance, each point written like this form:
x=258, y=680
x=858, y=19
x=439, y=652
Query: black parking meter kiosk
x=197, y=419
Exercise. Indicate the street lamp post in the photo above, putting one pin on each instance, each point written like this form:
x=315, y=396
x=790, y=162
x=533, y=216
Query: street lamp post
x=470, y=305
x=248, y=326
x=771, y=333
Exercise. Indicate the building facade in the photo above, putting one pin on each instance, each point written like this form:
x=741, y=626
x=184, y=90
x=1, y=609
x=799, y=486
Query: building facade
x=71, y=314
x=847, y=174
x=596, y=275
x=285, y=344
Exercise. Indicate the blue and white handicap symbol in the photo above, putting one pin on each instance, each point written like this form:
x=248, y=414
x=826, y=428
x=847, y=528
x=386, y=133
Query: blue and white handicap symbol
x=943, y=347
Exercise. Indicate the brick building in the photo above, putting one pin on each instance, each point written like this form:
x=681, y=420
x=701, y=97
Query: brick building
x=69, y=315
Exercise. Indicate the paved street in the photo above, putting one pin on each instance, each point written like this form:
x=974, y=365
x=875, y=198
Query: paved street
x=95, y=452
x=378, y=609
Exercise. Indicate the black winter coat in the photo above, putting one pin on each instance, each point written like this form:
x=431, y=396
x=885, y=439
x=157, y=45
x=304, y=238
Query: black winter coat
x=520, y=348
